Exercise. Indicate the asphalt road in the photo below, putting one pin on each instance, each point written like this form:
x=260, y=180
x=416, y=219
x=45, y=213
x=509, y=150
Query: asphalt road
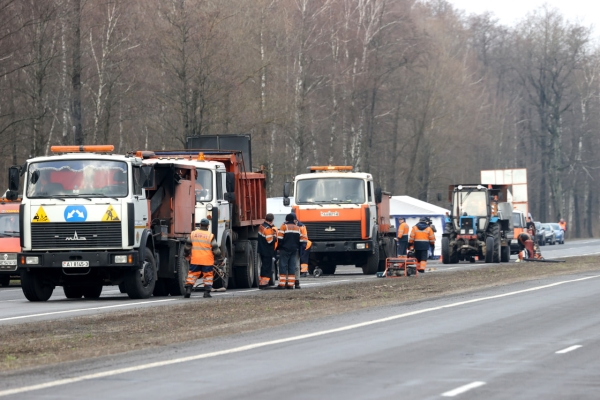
x=14, y=308
x=533, y=340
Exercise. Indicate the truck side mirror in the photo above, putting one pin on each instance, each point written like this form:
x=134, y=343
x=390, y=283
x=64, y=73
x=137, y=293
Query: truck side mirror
x=230, y=182
x=286, y=190
x=286, y=201
x=147, y=172
x=378, y=195
x=13, y=178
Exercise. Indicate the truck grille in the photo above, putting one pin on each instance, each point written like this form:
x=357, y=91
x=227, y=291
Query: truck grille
x=333, y=230
x=69, y=235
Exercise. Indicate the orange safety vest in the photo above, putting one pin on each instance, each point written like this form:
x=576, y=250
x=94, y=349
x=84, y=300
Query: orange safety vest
x=423, y=236
x=202, y=253
x=563, y=226
x=403, y=231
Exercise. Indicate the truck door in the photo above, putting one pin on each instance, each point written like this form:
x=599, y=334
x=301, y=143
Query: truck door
x=223, y=204
x=372, y=204
x=140, y=206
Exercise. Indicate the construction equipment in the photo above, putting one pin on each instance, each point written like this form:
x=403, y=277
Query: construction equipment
x=480, y=224
x=397, y=267
x=347, y=218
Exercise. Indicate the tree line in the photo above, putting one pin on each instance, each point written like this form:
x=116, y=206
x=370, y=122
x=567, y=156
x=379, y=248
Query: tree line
x=415, y=92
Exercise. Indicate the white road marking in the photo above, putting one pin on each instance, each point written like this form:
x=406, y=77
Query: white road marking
x=234, y=350
x=84, y=309
x=568, y=349
x=462, y=389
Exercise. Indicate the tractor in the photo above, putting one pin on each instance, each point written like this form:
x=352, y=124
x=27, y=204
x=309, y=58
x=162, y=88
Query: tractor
x=479, y=226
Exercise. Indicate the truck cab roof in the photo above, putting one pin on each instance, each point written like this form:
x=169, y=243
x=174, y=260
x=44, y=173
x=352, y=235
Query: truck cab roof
x=319, y=175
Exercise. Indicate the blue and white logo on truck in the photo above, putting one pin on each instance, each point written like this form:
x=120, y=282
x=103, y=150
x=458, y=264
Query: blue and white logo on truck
x=75, y=214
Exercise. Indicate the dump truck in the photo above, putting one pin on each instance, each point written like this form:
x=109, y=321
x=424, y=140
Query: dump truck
x=480, y=224
x=231, y=197
x=9, y=239
x=347, y=218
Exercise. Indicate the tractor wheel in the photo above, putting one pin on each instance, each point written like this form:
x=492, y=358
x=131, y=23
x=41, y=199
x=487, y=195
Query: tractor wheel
x=505, y=254
x=446, y=250
x=495, y=231
x=489, y=249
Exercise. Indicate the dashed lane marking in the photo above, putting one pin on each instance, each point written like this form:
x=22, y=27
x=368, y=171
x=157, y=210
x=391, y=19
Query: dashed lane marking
x=569, y=349
x=463, y=389
x=240, y=349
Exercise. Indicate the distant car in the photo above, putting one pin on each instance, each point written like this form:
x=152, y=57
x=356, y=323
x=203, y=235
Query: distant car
x=558, y=233
x=549, y=235
x=539, y=234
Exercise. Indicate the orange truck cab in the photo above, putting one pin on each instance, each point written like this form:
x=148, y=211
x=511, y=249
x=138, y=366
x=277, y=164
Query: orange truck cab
x=9, y=239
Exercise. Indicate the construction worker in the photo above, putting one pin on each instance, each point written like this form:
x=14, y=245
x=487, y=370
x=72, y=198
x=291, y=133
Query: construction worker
x=267, y=241
x=289, y=238
x=403, y=233
x=204, y=249
x=302, y=269
x=421, y=239
x=563, y=225
x=526, y=243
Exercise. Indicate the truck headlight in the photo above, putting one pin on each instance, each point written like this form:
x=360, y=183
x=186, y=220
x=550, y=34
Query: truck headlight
x=360, y=246
x=209, y=207
x=120, y=259
x=32, y=260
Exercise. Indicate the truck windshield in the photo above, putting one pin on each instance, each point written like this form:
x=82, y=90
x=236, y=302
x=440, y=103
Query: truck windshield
x=77, y=178
x=9, y=225
x=330, y=190
x=204, y=185
x=517, y=220
x=471, y=202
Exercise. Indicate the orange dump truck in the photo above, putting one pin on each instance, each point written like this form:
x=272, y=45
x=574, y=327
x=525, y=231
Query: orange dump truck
x=347, y=218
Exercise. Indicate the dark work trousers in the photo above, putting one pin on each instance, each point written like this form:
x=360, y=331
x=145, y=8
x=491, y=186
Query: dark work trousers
x=402, y=246
x=421, y=255
x=266, y=269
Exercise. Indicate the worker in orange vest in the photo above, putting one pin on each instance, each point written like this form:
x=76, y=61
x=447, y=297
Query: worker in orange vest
x=289, y=238
x=204, y=249
x=403, y=233
x=563, y=225
x=527, y=243
x=267, y=242
x=421, y=239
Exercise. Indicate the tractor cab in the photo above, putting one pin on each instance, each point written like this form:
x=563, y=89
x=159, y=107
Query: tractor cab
x=470, y=209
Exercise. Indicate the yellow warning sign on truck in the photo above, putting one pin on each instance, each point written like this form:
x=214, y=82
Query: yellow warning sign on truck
x=110, y=214
x=40, y=216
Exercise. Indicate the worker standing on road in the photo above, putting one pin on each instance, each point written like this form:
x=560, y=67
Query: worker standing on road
x=403, y=234
x=267, y=240
x=302, y=268
x=526, y=243
x=421, y=239
x=563, y=225
x=204, y=249
x=289, y=239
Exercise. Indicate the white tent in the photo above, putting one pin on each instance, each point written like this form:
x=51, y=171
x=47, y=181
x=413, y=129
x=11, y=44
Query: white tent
x=275, y=206
x=413, y=209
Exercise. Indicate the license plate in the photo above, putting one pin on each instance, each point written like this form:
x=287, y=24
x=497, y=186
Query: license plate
x=75, y=264
x=8, y=262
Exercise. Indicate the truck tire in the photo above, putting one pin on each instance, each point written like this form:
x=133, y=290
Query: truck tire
x=176, y=286
x=257, y=263
x=122, y=288
x=140, y=283
x=34, y=287
x=92, y=292
x=372, y=264
x=445, y=250
x=489, y=249
x=4, y=280
x=505, y=254
x=244, y=274
x=73, y=292
x=328, y=269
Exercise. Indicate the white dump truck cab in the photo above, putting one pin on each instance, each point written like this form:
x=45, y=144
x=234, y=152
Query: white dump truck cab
x=84, y=223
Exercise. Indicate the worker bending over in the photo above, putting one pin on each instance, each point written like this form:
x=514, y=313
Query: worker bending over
x=526, y=243
x=289, y=239
x=267, y=242
x=204, y=249
x=421, y=239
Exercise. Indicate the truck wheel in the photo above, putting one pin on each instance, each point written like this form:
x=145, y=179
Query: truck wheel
x=257, y=263
x=445, y=250
x=92, y=292
x=328, y=269
x=505, y=254
x=4, y=280
x=73, y=292
x=34, y=287
x=140, y=283
x=372, y=264
x=176, y=286
x=489, y=249
x=244, y=274
x=122, y=288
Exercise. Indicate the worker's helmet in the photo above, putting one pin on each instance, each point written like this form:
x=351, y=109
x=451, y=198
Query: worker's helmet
x=204, y=222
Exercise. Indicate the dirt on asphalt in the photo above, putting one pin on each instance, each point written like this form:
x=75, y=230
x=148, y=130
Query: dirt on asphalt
x=35, y=344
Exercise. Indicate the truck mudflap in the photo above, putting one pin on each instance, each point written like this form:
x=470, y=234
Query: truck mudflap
x=78, y=259
x=362, y=246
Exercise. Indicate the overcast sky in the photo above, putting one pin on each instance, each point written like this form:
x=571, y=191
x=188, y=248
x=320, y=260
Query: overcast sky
x=510, y=12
